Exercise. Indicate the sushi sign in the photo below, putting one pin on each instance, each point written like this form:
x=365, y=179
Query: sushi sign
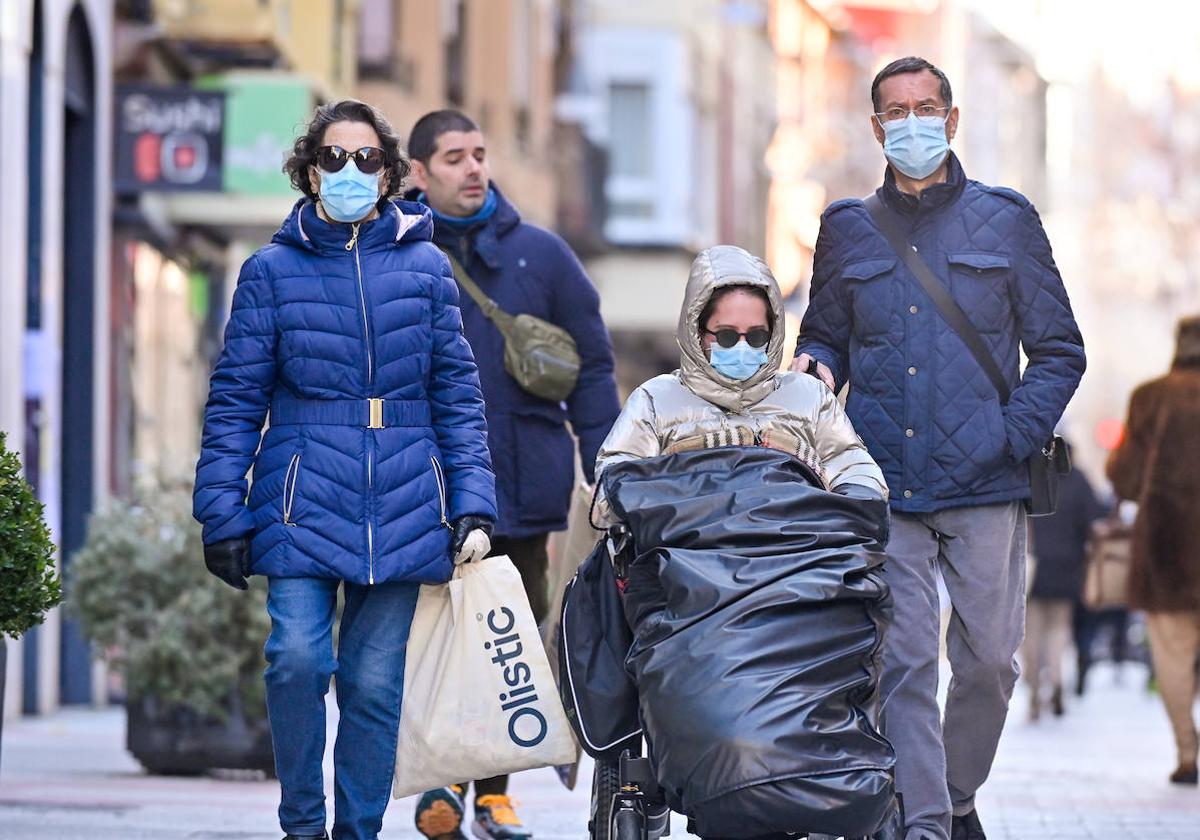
x=168, y=139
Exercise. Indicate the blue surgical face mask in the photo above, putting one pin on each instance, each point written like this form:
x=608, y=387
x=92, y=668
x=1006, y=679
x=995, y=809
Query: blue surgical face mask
x=348, y=195
x=741, y=361
x=916, y=145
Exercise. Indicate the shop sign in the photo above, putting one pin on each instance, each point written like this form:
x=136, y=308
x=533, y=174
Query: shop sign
x=168, y=139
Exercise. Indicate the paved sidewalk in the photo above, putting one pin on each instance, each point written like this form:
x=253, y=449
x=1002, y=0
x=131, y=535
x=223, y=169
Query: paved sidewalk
x=1099, y=772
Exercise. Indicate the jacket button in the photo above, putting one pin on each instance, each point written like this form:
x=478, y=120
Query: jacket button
x=912, y=371
x=913, y=310
x=908, y=494
x=909, y=433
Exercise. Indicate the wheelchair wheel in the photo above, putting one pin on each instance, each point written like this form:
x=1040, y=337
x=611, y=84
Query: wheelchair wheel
x=606, y=783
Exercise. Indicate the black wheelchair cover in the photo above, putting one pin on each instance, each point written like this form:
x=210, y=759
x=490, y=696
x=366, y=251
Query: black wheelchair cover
x=593, y=640
x=757, y=605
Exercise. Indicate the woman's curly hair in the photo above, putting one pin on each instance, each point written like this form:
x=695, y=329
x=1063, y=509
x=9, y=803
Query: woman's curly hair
x=304, y=150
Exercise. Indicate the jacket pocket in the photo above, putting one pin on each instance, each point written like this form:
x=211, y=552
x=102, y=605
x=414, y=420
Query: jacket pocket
x=290, y=479
x=979, y=282
x=440, y=478
x=871, y=287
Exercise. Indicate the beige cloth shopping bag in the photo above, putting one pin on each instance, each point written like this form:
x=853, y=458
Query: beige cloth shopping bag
x=479, y=697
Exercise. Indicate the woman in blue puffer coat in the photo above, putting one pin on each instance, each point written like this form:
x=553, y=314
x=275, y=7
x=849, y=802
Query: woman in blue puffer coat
x=374, y=471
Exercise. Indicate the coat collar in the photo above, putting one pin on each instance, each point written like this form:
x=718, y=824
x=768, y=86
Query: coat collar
x=400, y=221
x=932, y=198
x=483, y=240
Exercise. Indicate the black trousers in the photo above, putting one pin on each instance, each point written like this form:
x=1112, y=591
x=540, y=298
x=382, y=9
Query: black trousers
x=532, y=560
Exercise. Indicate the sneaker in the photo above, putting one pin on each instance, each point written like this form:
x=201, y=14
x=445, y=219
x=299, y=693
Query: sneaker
x=321, y=836
x=440, y=813
x=967, y=827
x=496, y=819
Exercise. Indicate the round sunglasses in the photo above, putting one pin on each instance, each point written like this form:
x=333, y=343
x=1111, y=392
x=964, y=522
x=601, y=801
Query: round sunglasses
x=728, y=337
x=368, y=159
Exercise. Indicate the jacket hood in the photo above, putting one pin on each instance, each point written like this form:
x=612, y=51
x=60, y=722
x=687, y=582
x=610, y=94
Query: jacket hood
x=714, y=269
x=400, y=221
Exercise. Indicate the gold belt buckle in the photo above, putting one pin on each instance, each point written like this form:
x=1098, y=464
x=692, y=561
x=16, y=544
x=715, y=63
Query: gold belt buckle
x=376, y=413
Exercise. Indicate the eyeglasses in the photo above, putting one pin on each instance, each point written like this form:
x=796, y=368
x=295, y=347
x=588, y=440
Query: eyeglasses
x=368, y=159
x=728, y=337
x=894, y=114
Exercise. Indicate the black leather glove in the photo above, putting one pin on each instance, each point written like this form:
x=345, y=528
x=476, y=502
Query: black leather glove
x=463, y=528
x=230, y=561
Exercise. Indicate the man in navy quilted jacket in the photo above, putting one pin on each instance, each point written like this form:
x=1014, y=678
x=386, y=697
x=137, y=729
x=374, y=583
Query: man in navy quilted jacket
x=525, y=269
x=955, y=459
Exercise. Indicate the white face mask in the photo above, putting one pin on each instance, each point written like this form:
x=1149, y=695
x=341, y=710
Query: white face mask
x=348, y=195
x=916, y=145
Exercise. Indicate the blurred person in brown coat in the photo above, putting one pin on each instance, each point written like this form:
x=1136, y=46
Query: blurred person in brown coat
x=1157, y=465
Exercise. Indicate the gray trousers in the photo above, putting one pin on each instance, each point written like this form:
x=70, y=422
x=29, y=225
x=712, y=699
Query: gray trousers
x=980, y=552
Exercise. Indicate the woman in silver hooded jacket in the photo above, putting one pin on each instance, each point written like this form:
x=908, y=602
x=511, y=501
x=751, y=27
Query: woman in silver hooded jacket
x=753, y=403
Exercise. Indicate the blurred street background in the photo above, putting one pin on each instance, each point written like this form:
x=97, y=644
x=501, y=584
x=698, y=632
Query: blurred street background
x=142, y=141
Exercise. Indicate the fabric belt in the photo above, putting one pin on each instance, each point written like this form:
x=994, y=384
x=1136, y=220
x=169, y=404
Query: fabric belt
x=372, y=413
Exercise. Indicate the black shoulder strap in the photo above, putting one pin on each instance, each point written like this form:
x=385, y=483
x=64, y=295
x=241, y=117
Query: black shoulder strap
x=951, y=311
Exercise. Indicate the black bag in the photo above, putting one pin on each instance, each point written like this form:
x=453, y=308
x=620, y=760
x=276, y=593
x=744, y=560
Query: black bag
x=757, y=603
x=1053, y=459
x=593, y=640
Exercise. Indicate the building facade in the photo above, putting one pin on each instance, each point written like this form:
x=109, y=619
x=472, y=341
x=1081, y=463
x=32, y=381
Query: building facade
x=680, y=96
x=155, y=134
x=495, y=60
x=55, y=107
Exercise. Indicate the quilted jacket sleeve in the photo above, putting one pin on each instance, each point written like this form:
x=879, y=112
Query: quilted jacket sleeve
x=842, y=453
x=457, y=407
x=825, y=330
x=1052, y=344
x=633, y=436
x=593, y=406
x=239, y=397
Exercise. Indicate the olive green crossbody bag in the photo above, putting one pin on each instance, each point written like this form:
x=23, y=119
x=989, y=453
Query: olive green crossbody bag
x=541, y=357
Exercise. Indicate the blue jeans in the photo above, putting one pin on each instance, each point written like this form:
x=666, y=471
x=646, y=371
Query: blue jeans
x=370, y=683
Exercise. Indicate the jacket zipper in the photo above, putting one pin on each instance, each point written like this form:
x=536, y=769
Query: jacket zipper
x=441, y=486
x=370, y=526
x=289, y=489
x=352, y=245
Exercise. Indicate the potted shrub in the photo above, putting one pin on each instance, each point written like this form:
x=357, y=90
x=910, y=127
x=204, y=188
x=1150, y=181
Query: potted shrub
x=29, y=585
x=190, y=649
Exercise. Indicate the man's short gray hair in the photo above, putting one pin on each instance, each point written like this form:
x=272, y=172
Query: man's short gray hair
x=910, y=64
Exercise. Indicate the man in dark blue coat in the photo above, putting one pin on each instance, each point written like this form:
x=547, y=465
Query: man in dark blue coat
x=524, y=269
x=955, y=459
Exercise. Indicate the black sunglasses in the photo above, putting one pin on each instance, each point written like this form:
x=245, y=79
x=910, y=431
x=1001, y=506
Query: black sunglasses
x=728, y=337
x=368, y=159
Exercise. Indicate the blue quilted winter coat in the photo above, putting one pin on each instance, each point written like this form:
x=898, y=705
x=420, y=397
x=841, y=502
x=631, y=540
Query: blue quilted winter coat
x=926, y=410
x=377, y=434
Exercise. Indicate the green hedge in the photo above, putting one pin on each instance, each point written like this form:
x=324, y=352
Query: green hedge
x=29, y=585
